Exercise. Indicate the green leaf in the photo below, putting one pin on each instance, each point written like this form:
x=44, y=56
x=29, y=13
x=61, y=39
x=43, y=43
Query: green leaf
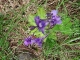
x=41, y=12
x=69, y=25
x=66, y=20
x=56, y=28
x=31, y=20
x=37, y=33
x=52, y=35
x=65, y=29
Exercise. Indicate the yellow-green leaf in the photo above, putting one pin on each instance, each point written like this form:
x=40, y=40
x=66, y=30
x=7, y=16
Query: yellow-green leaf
x=31, y=20
x=41, y=12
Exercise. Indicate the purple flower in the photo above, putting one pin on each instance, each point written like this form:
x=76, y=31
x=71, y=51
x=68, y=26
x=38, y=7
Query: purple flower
x=54, y=12
x=38, y=41
x=27, y=41
x=55, y=19
x=41, y=24
x=30, y=41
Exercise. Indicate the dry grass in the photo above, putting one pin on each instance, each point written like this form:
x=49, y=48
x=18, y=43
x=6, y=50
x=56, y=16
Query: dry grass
x=20, y=8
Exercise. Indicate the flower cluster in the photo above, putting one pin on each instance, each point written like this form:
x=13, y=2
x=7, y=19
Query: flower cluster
x=52, y=20
x=55, y=19
x=30, y=41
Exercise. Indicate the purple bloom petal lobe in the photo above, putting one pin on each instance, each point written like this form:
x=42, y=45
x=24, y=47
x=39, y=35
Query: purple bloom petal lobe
x=27, y=41
x=55, y=19
x=54, y=12
x=31, y=41
x=37, y=19
x=39, y=41
x=41, y=24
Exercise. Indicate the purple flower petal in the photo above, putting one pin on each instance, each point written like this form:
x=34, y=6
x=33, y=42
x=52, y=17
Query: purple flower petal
x=41, y=23
x=30, y=41
x=39, y=41
x=58, y=20
x=55, y=19
x=42, y=30
x=27, y=41
x=37, y=19
x=54, y=12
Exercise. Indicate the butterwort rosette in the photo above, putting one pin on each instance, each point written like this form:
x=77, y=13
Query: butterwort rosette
x=41, y=23
x=51, y=20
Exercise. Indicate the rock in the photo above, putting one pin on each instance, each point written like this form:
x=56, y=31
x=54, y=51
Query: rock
x=25, y=56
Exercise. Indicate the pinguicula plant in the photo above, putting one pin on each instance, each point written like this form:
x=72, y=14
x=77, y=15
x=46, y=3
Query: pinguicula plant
x=41, y=23
x=45, y=25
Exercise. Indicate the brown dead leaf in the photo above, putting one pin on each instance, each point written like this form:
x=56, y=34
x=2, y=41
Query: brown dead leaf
x=30, y=49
